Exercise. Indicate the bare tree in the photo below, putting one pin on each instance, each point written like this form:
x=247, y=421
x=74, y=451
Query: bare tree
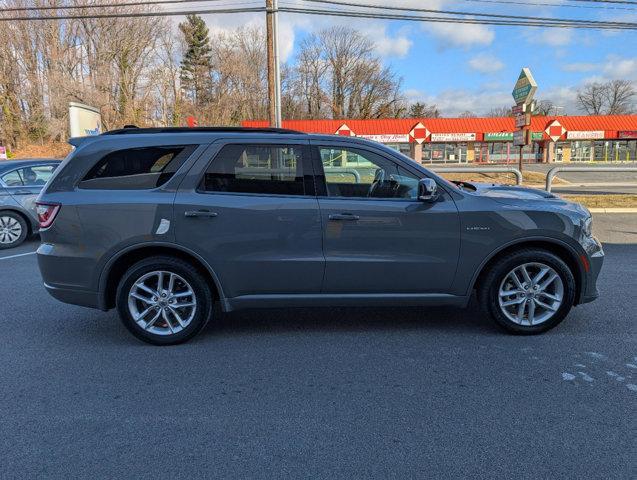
x=499, y=112
x=422, y=110
x=467, y=114
x=614, y=97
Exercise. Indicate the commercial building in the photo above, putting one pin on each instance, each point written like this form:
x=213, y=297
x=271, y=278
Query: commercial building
x=602, y=138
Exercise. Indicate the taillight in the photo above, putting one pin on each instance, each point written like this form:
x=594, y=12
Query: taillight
x=47, y=213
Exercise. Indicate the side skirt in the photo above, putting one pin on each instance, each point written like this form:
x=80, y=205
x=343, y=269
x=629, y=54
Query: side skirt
x=343, y=300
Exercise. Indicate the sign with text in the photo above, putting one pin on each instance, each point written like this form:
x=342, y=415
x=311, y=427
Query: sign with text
x=84, y=120
x=388, y=138
x=3, y=153
x=520, y=138
x=628, y=134
x=507, y=136
x=524, y=88
x=585, y=135
x=453, y=137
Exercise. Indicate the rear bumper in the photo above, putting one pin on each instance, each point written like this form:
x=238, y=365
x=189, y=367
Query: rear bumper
x=66, y=277
x=83, y=298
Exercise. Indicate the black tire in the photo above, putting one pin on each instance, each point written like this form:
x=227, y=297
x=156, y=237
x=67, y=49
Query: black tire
x=24, y=229
x=197, y=282
x=488, y=290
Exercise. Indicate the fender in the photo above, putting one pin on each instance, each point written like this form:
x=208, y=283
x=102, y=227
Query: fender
x=105, y=272
x=522, y=241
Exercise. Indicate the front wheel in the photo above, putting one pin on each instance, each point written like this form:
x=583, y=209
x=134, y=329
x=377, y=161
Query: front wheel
x=527, y=292
x=164, y=300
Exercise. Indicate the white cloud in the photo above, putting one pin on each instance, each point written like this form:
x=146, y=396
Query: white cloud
x=554, y=37
x=393, y=47
x=485, y=63
x=620, y=68
x=460, y=35
x=579, y=67
x=453, y=102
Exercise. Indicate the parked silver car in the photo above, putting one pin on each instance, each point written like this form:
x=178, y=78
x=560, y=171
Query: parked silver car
x=20, y=183
x=161, y=223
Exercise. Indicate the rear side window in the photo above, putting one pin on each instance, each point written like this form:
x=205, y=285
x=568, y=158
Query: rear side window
x=137, y=168
x=269, y=169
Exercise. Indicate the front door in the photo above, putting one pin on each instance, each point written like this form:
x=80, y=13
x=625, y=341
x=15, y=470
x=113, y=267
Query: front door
x=378, y=237
x=250, y=210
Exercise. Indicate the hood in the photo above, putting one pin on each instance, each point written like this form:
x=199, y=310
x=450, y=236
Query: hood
x=524, y=197
x=509, y=191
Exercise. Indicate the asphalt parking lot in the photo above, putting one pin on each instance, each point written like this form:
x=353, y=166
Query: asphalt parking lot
x=328, y=393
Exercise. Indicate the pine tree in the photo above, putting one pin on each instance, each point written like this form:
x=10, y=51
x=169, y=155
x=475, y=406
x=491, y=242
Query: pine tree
x=196, y=64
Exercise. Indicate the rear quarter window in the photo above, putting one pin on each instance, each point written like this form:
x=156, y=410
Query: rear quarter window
x=136, y=168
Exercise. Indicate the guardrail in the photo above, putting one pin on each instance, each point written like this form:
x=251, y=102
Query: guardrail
x=555, y=170
x=515, y=171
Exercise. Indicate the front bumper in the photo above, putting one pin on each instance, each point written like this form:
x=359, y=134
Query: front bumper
x=595, y=259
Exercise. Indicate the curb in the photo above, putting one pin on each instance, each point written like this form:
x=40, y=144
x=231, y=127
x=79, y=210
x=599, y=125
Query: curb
x=613, y=210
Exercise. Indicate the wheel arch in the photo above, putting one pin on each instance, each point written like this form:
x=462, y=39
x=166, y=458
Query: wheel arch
x=118, y=265
x=561, y=249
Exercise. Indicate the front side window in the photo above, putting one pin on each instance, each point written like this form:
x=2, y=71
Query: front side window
x=265, y=169
x=362, y=174
x=136, y=168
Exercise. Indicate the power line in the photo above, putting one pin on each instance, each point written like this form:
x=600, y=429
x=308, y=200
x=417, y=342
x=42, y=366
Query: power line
x=134, y=14
x=109, y=5
x=548, y=4
x=472, y=14
x=465, y=20
x=553, y=23
x=629, y=2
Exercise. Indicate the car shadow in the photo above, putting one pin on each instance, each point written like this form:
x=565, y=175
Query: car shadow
x=351, y=319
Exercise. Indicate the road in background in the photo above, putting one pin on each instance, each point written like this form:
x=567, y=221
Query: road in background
x=322, y=393
x=596, y=183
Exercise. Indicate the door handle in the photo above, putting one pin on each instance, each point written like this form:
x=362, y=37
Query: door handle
x=200, y=213
x=344, y=217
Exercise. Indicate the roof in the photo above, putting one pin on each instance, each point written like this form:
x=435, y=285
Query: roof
x=609, y=123
x=25, y=162
x=131, y=129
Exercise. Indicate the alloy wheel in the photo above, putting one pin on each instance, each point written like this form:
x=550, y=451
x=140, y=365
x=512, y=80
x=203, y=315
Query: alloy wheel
x=531, y=294
x=10, y=230
x=162, y=303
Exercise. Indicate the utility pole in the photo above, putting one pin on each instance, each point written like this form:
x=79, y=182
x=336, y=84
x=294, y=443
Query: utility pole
x=274, y=72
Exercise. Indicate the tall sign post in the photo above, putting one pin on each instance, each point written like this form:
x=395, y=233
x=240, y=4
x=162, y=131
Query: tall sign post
x=523, y=93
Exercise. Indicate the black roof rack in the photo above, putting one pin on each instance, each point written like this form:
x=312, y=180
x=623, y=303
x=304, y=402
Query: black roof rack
x=132, y=129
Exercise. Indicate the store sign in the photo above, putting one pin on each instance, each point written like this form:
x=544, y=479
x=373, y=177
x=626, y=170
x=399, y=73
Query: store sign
x=84, y=120
x=585, y=135
x=628, y=134
x=507, y=136
x=520, y=138
x=3, y=153
x=453, y=137
x=524, y=88
x=388, y=138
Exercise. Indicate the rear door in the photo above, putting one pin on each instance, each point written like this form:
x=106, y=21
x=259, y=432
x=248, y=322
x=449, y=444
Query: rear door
x=378, y=237
x=249, y=208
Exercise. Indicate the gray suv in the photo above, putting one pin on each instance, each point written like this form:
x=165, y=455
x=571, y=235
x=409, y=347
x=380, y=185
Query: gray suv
x=162, y=223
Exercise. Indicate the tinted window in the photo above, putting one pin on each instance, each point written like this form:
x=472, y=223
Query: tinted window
x=12, y=179
x=362, y=174
x=273, y=169
x=136, y=168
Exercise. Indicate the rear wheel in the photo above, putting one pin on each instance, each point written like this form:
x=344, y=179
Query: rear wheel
x=13, y=230
x=164, y=300
x=529, y=291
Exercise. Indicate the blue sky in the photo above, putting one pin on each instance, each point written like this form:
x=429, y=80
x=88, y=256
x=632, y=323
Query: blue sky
x=473, y=67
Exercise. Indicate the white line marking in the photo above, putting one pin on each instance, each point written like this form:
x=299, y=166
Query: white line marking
x=18, y=255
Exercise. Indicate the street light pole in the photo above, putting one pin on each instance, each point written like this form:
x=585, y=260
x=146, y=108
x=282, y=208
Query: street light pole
x=274, y=72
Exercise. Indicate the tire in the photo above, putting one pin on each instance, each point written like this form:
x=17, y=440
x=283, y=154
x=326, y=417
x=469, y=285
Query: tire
x=168, y=320
x=13, y=229
x=496, y=292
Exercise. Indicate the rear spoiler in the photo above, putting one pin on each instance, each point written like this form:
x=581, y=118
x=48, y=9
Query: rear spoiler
x=78, y=141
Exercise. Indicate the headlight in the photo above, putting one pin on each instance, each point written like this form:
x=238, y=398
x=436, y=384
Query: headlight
x=587, y=226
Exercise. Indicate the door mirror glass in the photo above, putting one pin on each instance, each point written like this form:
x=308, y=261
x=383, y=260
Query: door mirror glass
x=427, y=190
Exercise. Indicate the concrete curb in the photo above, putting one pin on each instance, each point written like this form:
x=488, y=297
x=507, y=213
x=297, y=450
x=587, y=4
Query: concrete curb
x=613, y=210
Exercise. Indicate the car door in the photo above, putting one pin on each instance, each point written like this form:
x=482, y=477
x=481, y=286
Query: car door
x=378, y=237
x=24, y=184
x=249, y=208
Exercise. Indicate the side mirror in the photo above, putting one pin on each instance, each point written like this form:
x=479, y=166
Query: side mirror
x=427, y=190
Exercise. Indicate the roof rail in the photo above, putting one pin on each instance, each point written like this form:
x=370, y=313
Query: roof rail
x=131, y=129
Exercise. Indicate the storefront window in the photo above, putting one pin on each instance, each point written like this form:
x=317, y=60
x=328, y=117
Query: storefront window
x=444, y=152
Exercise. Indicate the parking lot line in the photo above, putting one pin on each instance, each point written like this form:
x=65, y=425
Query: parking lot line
x=18, y=255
